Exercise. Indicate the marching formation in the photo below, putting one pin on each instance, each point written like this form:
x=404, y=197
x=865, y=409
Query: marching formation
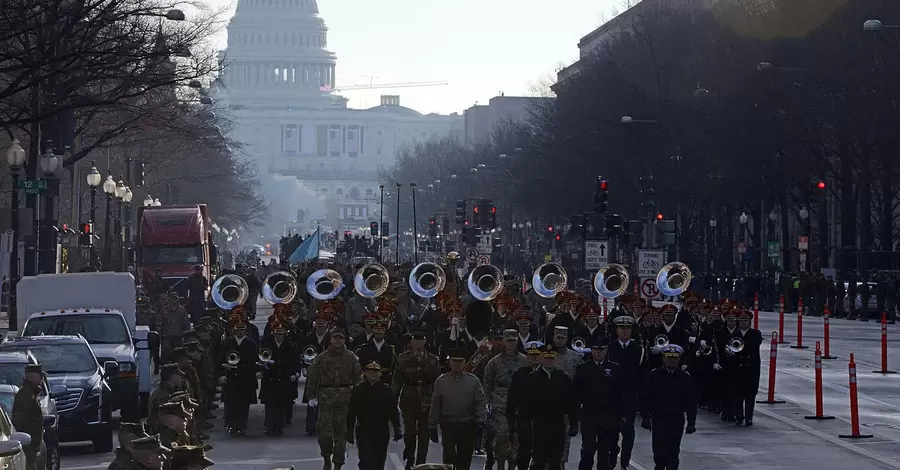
x=491, y=365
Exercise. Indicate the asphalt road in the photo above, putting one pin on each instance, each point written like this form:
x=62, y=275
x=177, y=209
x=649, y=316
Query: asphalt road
x=780, y=439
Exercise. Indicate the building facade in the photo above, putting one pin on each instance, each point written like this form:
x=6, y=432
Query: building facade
x=279, y=80
x=481, y=120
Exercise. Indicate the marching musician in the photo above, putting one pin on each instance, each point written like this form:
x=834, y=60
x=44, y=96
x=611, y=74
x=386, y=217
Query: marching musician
x=413, y=384
x=524, y=328
x=569, y=317
x=592, y=332
x=746, y=370
x=669, y=399
x=713, y=396
x=705, y=356
x=670, y=330
x=518, y=418
x=240, y=379
x=723, y=337
x=369, y=321
x=598, y=386
x=629, y=355
x=378, y=349
x=279, y=378
x=318, y=337
x=458, y=408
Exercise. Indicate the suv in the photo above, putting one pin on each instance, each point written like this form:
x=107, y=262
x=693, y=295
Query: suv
x=77, y=382
x=12, y=372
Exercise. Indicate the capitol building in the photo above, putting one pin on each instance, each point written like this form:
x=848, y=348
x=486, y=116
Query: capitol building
x=312, y=151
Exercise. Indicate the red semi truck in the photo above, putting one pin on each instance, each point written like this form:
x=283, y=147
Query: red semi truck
x=174, y=239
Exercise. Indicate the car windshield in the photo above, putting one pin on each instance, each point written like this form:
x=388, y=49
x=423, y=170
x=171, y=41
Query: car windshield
x=59, y=358
x=12, y=374
x=6, y=401
x=95, y=328
x=172, y=254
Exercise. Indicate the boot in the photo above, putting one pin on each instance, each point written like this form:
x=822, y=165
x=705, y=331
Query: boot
x=327, y=465
x=338, y=466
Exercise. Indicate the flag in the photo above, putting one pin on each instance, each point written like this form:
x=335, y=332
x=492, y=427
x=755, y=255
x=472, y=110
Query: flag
x=308, y=250
x=325, y=88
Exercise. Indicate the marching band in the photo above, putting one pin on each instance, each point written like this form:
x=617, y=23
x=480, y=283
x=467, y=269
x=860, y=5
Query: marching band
x=506, y=368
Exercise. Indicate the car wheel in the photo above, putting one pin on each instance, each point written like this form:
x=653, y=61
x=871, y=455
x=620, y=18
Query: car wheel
x=104, y=443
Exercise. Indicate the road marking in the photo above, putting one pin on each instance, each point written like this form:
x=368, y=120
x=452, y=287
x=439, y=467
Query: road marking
x=828, y=437
x=220, y=462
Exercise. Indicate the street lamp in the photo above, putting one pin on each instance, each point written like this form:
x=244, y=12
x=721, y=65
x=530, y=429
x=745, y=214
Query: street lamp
x=49, y=162
x=877, y=25
x=15, y=158
x=804, y=213
x=148, y=201
x=743, y=218
x=473, y=170
x=175, y=15
x=109, y=188
x=773, y=216
x=481, y=165
x=126, y=246
x=713, y=222
x=156, y=202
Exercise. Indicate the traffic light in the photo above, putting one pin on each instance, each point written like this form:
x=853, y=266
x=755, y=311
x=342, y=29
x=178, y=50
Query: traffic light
x=614, y=223
x=577, y=223
x=432, y=227
x=445, y=225
x=633, y=232
x=469, y=238
x=817, y=191
x=659, y=216
x=373, y=229
x=484, y=214
x=601, y=195
x=665, y=231
x=648, y=192
x=385, y=229
x=648, y=207
x=460, y=211
x=593, y=226
x=86, y=235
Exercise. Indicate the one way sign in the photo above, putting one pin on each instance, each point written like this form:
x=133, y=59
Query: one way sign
x=596, y=254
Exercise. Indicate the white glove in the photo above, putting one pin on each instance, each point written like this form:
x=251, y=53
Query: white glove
x=293, y=377
x=259, y=375
x=684, y=367
x=313, y=403
x=717, y=367
x=692, y=339
x=702, y=343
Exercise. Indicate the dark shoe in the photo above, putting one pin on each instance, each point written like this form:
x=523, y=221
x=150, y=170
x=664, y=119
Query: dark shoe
x=749, y=423
x=739, y=421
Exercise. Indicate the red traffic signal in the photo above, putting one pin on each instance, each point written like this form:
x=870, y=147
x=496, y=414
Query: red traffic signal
x=549, y=228
x=476, y=209
x=604, y=185
x=432, y=221
x=659, y=216
x=86, y=229
x=558, y=238
x=820, y=185
x=493, y=210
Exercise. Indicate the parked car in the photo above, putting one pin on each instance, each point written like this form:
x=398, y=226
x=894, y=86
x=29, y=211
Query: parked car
x=79, y=385
x=12, y=372
x=11, y=442
x=873, y=302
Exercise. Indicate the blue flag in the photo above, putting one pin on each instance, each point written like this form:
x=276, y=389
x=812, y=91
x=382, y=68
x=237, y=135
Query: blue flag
x=308, y=250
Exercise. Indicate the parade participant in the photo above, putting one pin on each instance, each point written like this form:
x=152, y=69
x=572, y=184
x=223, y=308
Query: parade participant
x=332, y=376
x=712, y=393
x=592, y=332
x=190, y=362
x=566, y=361
x=668, y=399
x=457, y=408
x=413, y=383
x=597, y=385
x=674, y=333
x=372, y=408
x=171, y=324
x=569, y=318
x=279, y=378
x=498, y=374
x=145, y=453
x=26, y=413
x=192, y=407
x=456, y=336
x=359, y=339
x=197, y=284
x=128, y=432
x=723, y=338
x=240, y=379
x=189, y=458
x=378, y=349
x=629, y=355
x=519, y=419
x=171, y=379
x=746, y=371
x=146, y=315
x=173, y=424
x=524, y=327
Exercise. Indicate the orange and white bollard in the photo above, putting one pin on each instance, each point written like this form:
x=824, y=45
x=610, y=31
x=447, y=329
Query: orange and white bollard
x=884, y=348
x=756, y=311
x=800, y=310
x=854, y=406
x=773, y=363
x=826, y=318
x=819, y=399
x=781, y=321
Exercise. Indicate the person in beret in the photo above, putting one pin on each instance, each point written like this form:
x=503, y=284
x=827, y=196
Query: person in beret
x=240, y=380
x=597, y=385
x=171, y=324
x=669, y=407
x=173, y=423
x=144, y=453
x=629, y=355
x=26, y=413
x=458, y=409
x=412, y=384
x=189, y=458
x=372, y=408
x=278, y=388
x=171, y=380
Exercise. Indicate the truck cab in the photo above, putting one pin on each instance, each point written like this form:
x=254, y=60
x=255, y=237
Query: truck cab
x=99, y=306
x=172, y=240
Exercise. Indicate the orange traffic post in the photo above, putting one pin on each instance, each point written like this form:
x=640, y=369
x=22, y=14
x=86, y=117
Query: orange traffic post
x=800, y=310
x=819, y=400
x=773, y=362
x=781, y=322
x=637, y=291
x=756, y=311
x=826, y=317
x=884, y=348
x=854, y=406
x=605, y=310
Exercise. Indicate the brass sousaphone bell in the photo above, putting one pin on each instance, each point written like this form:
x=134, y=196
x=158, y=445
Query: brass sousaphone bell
x=549, y=279
x=611, y=281
x=230, y=291
x=279, y=287
x=485, y=282
x=324, y=284
x=371, y=280
x=673, y=279
x=427, y=279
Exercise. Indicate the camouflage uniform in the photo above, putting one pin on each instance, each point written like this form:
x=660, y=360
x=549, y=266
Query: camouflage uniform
x=171, y=324
x=122, y=461
x=331, y=378
x=566, y=361
x=157, y=397
x=497, y=377
x=413, y=383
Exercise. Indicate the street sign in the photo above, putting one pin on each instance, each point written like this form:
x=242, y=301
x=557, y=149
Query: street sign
x=484, y=259
x=803, y=243
x=649, y=290
x=774, y=249
x=596, y=254
x=649, y=263
x=484, y=244
x=471, y=254
x=33, y=187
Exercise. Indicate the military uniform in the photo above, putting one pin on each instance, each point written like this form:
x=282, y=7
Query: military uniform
x=147, y=316
x=160, y=395
x=123, y=460
x=668, y=399
x=498, y=375
x=173, y=424
x=567, y=361
x=372, y=408
x=28, y=418
x=458, y=408
x=128, y=432
x=189, y=458
x=332, y=376
x=171, y=324
x=413, y=384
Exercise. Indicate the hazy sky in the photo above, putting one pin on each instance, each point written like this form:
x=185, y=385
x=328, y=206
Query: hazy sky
x=479, y=47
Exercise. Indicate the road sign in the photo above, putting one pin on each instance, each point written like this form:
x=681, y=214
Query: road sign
x=648, y=288
x=774, y=249
x=471, y=254
x=484, y=244
x=484, y=259
x=649, y=263
x=803, y=243
x=33, y=187
x=596, y=254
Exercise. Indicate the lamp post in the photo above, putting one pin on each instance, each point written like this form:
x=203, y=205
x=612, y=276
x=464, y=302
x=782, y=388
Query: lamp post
x=109, y=188
x=126, y=246
x=93, y=180
x=397, y=229
x=804, y=256
x=713, y=242
x=156, y=202
x=15, y=158
x=381, y=223
x=117, y=231
x=415, y=229
x=773, y=219
x=47, y=235
x=743, y=219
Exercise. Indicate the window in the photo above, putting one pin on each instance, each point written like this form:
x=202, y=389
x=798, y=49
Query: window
x=75, y=358
x=96, y=329
x=12, y=374
x=172, y=254
x=322, y=141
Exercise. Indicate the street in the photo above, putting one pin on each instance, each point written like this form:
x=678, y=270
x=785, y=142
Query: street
x=780, y=439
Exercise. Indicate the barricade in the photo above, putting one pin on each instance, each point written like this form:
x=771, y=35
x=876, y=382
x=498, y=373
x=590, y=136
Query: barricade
x=854, y=406
x=773, y=363
x=820, y=415
x=756, y=311
x=781, y=322
x=826, y=318
x=884, y=348
x=800, y=310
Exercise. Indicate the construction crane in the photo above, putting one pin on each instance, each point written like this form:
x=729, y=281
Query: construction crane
x=377, y=86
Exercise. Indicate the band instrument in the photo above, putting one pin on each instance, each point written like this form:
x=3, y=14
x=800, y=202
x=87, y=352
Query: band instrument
x=704, y=350
x=735, y=345
x=427, y=279
x=232, y=359
x=549, y=279
x=371, y=280
x=230, y=291
x=611, y=281
x=265, y=356
x=324, y=284
x=660, y=342
x=579, y=345
x=482, y=352
x=673, y=279
x=279, y=287
x=309, y=354
x=485, y=282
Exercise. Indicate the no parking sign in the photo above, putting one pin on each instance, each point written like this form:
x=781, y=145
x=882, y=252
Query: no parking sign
x=649, y=290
